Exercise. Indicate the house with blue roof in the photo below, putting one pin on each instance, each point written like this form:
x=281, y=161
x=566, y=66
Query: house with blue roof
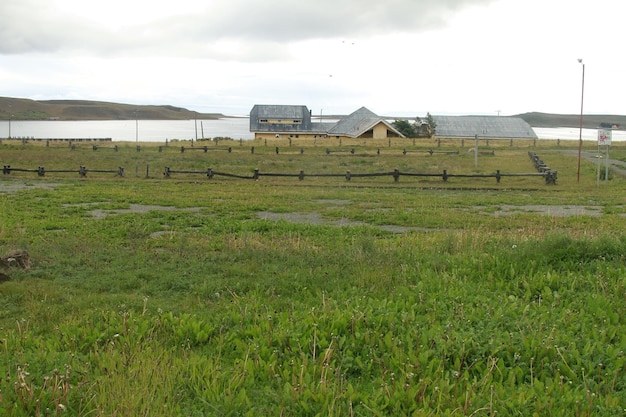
x=270, y=121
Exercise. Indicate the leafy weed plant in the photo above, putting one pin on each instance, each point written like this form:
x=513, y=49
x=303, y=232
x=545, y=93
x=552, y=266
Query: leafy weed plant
x=216, y=311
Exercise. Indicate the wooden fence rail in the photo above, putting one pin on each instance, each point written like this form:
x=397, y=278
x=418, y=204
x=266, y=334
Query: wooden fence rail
x=96, y=147
x=82, y=170
x=204, y=148
x=430, y=152
x=549, y=175
x=348, y=175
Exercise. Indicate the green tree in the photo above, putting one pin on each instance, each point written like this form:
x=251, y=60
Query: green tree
x=431, y=122
x=405, y=127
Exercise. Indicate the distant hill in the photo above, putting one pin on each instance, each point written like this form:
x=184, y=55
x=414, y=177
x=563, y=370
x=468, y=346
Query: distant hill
x=26, y=109
x=591, y=121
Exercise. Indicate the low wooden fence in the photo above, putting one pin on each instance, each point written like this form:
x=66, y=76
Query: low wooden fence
x=549, y=175
x=203, y=148
x=348, y=175
x=543, y=168
x=82, y=170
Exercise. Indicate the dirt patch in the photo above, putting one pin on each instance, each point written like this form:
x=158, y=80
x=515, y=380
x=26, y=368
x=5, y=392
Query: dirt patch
x=316, y=219
x=132, y=209
x=547, y=210
x=13, y=186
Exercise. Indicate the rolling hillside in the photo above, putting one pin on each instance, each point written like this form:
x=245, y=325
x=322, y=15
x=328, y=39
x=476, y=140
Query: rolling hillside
x=26, y=109
x=590, y=121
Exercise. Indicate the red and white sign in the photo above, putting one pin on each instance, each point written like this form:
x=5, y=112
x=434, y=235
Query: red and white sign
x=604, y=137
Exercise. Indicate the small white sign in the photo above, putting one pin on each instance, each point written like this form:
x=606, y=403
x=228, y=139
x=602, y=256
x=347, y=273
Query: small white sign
x=604, y=137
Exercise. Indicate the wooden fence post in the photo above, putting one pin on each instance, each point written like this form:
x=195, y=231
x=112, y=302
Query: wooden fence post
x=348, y=175
x=301, y=176
x=396, y=175
x=445, y=175
x=256, y=174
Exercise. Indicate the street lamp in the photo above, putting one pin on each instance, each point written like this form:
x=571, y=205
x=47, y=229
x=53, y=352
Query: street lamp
x=10, y=117
x=580, y=132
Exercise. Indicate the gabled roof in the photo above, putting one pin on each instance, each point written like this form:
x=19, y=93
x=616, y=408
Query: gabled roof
x=484, y=126
x=279, y=111
x=358, y=123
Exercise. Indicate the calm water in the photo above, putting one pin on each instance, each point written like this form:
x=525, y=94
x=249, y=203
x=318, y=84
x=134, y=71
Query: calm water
x=129, y=130
x=160, y=130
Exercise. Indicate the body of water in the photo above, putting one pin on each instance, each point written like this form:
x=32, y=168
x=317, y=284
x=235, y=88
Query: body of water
x=573, y=133
x=162, y=130
x=129, y=130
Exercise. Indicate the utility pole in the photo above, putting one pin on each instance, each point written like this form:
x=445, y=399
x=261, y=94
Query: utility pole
x=580, y=132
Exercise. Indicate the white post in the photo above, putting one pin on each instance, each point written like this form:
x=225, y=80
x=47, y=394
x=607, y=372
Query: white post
x=598, y=155
x=606, y=173
x=476, y=151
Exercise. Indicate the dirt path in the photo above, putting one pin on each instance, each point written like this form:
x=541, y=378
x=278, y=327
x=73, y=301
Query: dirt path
x=617, y=166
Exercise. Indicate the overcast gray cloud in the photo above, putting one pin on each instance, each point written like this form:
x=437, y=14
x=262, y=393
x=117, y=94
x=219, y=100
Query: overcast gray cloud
x=393, y=56
x=28, y=26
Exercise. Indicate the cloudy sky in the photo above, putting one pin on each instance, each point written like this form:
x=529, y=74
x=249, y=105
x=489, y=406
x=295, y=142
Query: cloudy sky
x=396, y=57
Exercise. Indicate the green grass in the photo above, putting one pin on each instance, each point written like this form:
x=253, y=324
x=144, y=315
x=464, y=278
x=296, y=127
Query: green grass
x=211, y=310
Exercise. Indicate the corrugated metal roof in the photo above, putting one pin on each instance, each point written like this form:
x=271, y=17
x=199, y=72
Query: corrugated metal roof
x=358, y=123
x=483, y=126
x=281, y=111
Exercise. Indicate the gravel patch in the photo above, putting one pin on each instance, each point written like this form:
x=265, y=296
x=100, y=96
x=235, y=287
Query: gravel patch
x=133, y=209
x=546, y=210
x=316, y=219
x=13, y=186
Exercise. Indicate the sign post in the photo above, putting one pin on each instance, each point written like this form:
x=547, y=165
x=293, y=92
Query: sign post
x=604, y=139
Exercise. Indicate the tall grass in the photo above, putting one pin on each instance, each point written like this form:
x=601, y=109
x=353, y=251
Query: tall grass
x=208, y=309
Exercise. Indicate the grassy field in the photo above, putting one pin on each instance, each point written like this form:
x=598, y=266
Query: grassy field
x=190, y=296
